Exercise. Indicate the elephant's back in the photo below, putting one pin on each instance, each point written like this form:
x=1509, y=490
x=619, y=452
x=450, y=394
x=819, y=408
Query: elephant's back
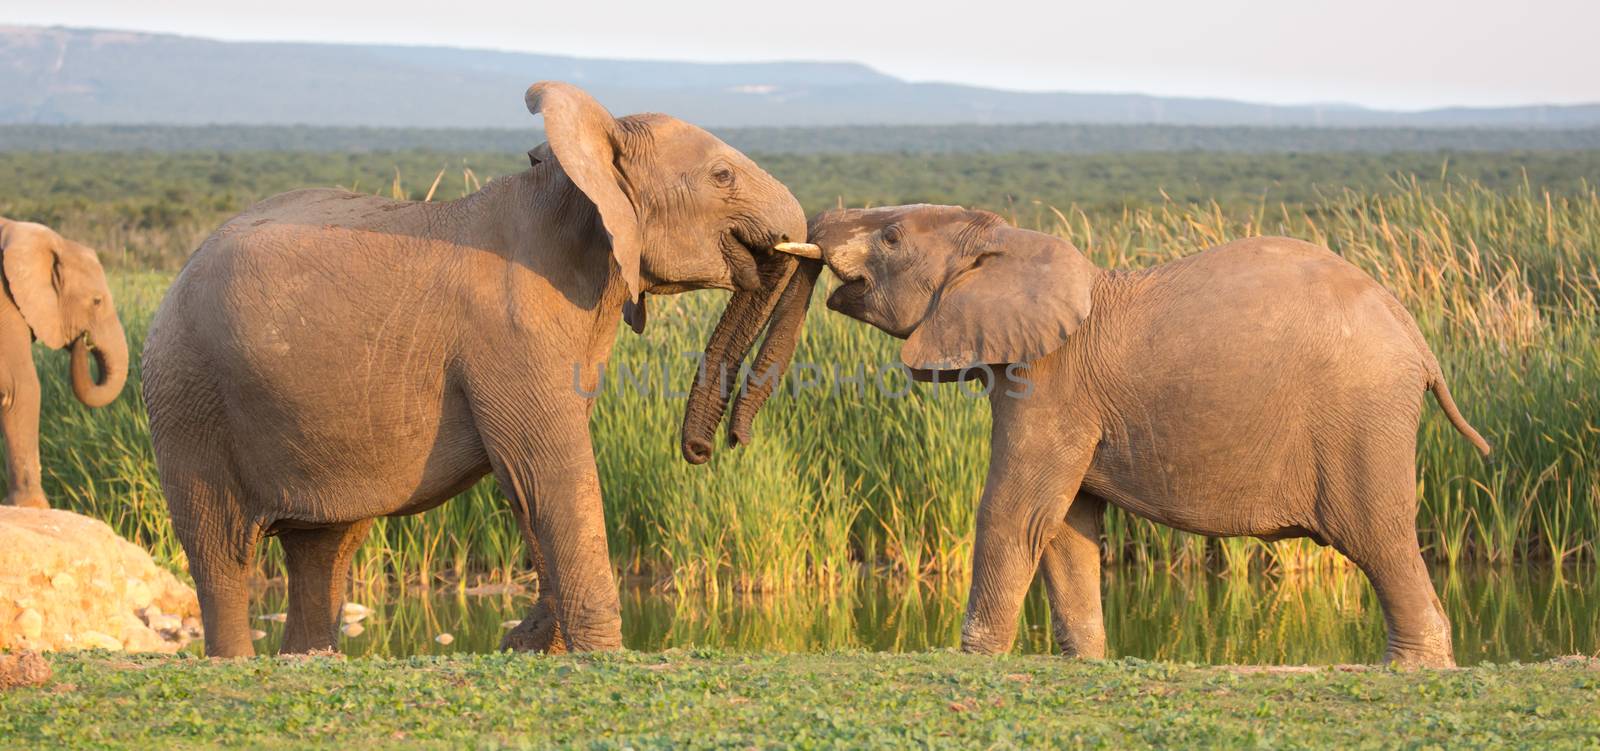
x=1274, y=293
x=318, y=206
x=307, y=257
x=1275, y=270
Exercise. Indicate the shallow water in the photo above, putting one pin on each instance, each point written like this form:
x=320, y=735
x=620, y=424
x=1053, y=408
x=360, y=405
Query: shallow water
x=1498, y=616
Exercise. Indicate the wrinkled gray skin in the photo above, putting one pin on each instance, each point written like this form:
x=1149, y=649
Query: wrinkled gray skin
x=56, y=293
x=327, y=358
x=1265, y=387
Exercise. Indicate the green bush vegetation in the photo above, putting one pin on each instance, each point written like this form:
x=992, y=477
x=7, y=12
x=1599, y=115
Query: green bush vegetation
x=838, y=139
x=1496, y=256
x=150, y=210
x=706, y=699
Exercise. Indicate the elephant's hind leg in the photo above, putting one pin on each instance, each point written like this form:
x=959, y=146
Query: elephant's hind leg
x=221, y=545
x=1377, y=530
x=318, y=562
x=1071, y=570
x=1418, y=629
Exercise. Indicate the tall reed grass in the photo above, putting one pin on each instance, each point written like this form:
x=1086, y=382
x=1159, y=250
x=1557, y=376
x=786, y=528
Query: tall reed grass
x=1503, y=283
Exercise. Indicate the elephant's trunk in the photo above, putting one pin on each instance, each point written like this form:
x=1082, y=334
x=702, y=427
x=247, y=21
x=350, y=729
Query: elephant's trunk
x=110, y=352
x=747, y=313
x=783, y=335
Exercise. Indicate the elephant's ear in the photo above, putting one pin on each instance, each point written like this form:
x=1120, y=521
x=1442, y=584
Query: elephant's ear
x=583, y=137
x=1018, y=299
x=29, y=258
x=539, y=154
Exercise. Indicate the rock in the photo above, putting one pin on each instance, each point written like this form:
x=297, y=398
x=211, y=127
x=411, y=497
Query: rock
x=510, y=624
x=68, y=581
x=29, y=624
x=20, y=669
x=444, y=638
x=95, y=640
x=140, y=595
x=257, y=635
x=164, y=624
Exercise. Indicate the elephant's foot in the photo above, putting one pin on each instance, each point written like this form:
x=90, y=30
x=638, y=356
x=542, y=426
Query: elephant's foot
x=1428, y=658
x=981, y=640
x=27, y=499
x=1432, y=650
x=1082, y=640
x=538, y=632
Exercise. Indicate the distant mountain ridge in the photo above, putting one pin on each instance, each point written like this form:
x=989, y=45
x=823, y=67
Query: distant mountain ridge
x=55, y=75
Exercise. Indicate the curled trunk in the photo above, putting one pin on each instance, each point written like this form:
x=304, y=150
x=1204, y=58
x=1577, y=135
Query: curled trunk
x=742, y=321
x=109, y=350
x=783, y=335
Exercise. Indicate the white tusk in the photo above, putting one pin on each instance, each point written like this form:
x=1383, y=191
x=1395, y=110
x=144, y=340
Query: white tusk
x=804, y=250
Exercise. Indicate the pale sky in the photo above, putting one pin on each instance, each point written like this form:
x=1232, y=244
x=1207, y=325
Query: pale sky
x=1396, y=54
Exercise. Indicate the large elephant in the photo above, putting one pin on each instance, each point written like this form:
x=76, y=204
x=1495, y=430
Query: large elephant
x=328, y=357
x=57, y=295
x=1265, y=387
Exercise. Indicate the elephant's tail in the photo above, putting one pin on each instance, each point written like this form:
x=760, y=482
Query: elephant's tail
x=1441, y=392
x=1436, y=384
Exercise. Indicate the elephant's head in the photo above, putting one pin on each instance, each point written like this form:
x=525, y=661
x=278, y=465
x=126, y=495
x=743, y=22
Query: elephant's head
x=684, y=211
x=961, y=286
x=61, y=290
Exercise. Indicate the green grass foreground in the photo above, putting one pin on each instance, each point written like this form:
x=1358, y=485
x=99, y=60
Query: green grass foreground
x=708, y=699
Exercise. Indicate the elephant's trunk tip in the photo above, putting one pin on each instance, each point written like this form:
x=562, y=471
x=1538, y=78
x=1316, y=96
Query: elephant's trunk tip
x=92, y=391
x=696, y=450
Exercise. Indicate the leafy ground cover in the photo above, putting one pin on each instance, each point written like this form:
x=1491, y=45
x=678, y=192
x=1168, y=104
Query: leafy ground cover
x=854, y=700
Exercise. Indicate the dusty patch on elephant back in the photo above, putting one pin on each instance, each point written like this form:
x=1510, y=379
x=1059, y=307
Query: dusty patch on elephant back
x=68, y=581
x=23, y=669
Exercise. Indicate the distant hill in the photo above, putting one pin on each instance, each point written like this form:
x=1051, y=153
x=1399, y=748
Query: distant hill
x=837, y=139
x=86, y=76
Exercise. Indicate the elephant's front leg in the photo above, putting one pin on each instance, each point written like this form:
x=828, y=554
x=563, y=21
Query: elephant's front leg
x=19, y=410
x=1032, y=480
x=555, y=487
x=1071, y=570
x=538, y=631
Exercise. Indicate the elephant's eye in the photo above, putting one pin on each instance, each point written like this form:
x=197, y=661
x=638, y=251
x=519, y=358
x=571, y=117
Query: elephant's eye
x=891, y=234
x=98, y=300
x=722, y=176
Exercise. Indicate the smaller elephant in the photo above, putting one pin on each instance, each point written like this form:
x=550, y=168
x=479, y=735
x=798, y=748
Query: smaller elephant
x=1265, y=388
x=56, y=293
